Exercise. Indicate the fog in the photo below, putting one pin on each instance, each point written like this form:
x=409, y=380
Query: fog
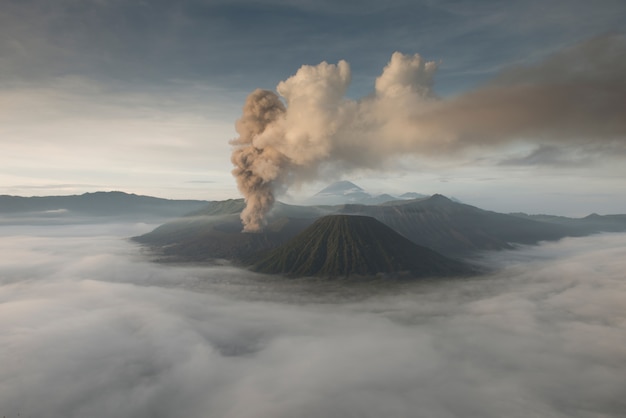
x=90, y=327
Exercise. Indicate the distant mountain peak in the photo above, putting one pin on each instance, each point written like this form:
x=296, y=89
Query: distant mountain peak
x=439, y=198
x=342, y=187
x=593, y=216
x=412, y=195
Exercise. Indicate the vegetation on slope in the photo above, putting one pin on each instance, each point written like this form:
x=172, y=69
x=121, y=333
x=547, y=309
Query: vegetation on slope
x=343, y=245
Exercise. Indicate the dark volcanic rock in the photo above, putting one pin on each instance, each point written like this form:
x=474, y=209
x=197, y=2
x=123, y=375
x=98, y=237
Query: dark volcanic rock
x=344, y=245
x=445, y=226
x=211, y=238
x=456, y=229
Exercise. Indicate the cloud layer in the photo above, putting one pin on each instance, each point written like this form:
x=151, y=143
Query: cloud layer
x=89, y=328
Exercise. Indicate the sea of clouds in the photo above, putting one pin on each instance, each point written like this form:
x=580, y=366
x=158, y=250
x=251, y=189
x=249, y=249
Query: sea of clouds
x=90, y=327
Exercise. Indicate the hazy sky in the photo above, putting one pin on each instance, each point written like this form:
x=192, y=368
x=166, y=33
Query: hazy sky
x=142, y=96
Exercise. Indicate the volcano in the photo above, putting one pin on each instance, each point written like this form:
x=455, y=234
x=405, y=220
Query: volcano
x=351, y=245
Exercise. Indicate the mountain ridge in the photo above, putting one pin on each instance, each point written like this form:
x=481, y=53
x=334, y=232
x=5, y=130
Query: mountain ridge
x=448, y=227
x=345, y=191
x=112, y=203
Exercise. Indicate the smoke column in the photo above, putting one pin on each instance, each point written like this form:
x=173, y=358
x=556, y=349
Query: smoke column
x=257, y=169
x=573, y=98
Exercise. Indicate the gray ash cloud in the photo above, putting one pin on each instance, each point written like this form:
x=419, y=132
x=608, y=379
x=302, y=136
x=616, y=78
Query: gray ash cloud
x=570, y=100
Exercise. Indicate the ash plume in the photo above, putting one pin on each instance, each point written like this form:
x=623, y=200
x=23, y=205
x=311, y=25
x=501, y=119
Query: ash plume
x=257, y=169
x=575, y=98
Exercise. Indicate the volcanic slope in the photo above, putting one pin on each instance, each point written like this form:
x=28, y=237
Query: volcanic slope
x=456, y=229
x=346, y=245
x=214, y=232
x=450, y=228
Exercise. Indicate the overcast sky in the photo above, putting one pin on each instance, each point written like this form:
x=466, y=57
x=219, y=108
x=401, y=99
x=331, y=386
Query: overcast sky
x=142, y=96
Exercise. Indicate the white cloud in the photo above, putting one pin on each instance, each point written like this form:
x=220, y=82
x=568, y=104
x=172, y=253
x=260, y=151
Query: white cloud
x=90, y=328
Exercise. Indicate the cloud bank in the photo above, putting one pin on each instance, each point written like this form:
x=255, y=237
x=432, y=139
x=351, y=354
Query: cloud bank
x=89, y=328
x=572, y=99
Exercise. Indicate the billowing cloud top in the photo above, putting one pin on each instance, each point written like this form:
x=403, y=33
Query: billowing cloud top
x=575, y=97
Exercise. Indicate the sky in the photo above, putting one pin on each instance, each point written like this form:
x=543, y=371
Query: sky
x=89, y=327
x=143, y=97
